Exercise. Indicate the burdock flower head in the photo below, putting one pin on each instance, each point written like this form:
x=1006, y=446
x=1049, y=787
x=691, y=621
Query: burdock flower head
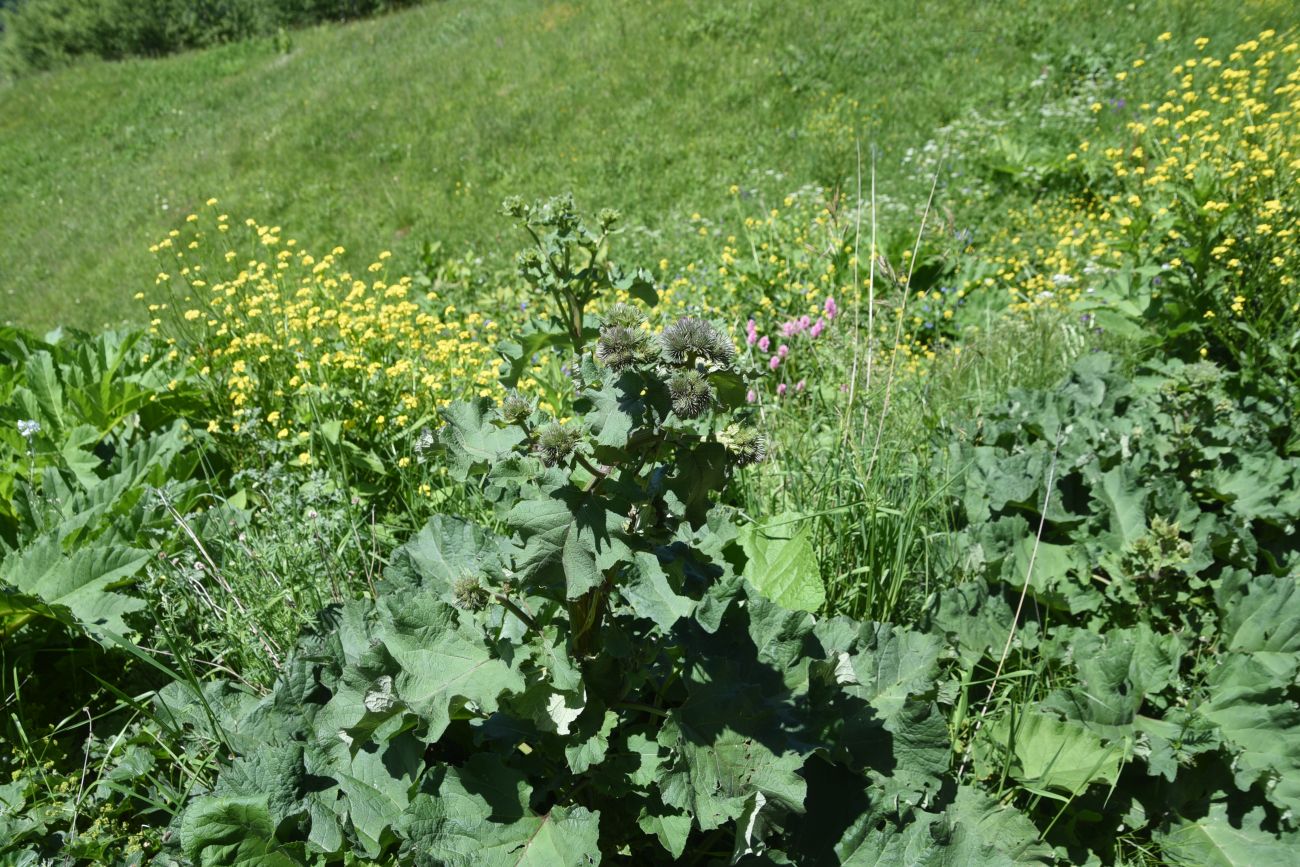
x=555, y=443
x=623, y=341
x=619, y=348
x=516, y=408
x=745, y=444
x=622, y=316
x=690, y=392
x=689, y=339
x=470, y=594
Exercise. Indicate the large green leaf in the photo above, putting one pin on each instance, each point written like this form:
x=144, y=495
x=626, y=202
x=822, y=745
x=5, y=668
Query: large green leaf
x=446, y=550
x=884, y=712
x=43, y=382
x=613, y=410
x=572, y=537
x=1261, y=614
x=1115, y=673
x=717, y=773
x=479, y=819
x=975, y=831
x=377, y=784
x=1250, y=701
x=650, y=594
x=412, y=655
x=1050, y=756
x=739, y=732
x=234, y=832
x=974, y=616
x=1123, y=504
x=85, y=584
x=781, y=562
x=473, y=441
x=1219, y=839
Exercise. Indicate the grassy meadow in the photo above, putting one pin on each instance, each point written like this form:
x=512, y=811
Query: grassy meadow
x=405, y=130
x=753, y=433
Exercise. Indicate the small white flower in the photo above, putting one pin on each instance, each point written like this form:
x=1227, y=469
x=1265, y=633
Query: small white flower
x=424, y=441
x=29, y=427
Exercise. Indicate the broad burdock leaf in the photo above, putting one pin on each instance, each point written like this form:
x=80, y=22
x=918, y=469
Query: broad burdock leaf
x=1122, y=502
x=434, y=663
x=781, y=562
x=82, y=587
x=717, y=771
x=479, y=816
x=671, y=828
x=1219, y=838
x=445, y=551
x=650, y=594
x=745, y=727
x=1173, y=743
x=570, y=537
x=888, y=665
x=234, y=832
x=879, y=684
x=377, y=784
x=1049, y=756
x=274, y=773
x=974, y=831
x=1251, y=701
x=1261, y=614
x=612, y=410
x=975, y=618
x=473, y=442
x=590, y=747
x=1115, y=673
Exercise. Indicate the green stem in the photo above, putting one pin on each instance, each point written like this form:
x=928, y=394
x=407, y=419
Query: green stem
x=645, y=708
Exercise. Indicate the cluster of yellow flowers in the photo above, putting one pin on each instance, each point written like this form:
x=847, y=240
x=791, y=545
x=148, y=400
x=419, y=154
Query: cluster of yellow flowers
x=1193, y=176
x=1196, y=184
x=288, y=341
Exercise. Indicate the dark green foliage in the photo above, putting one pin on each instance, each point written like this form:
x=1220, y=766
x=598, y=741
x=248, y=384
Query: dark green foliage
x=1162, y=608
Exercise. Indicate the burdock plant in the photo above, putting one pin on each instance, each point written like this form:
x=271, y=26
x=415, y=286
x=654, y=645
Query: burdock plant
x=597, y=682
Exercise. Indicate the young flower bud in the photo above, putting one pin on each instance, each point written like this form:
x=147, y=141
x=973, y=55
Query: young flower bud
x=622, y=316
x=555, y=443
x=745, y=444
x=528, y=261
x=607, y=217
x=516, y=408
x=513, y=206
x=689, y=339
x=470, y=594
x=690, y=392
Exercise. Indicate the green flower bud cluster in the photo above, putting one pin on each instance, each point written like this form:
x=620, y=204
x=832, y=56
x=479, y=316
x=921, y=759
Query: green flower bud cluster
x=555, y=442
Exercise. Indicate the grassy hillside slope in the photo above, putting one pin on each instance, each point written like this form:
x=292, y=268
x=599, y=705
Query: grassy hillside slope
x=391, y=132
